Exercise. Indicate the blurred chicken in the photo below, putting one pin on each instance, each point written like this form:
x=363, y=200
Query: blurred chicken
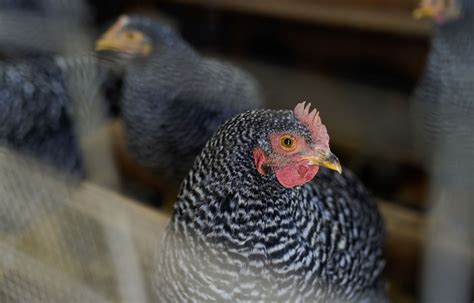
x=48, y=79
x=173, y=98
x=444, y=112
x=444, y=104
x=36, y=106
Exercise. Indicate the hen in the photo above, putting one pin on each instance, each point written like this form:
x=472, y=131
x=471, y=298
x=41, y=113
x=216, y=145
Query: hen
x=257, y=218
x=444, y=104
x=42, y=86
x=444, y=111
x=173, y=99
x=36, y=106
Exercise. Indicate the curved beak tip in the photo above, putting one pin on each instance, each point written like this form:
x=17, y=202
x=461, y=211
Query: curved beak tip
x=339, y=169
x=326, y=159
x=333, y=164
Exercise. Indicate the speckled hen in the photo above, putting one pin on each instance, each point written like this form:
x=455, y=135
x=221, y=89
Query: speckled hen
x=174, y=99
x=260, y=217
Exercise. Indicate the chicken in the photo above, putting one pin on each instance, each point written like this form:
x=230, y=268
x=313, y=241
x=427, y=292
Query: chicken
x=444, y=112
x=173, y=98
x=43, y=85
x=260, y=217
x=36, y=106
x=444, y=99
x=33, y=111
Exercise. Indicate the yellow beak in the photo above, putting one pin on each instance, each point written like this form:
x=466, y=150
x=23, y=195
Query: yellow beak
x=326, y=159
x=423, y=12
x=106, y=44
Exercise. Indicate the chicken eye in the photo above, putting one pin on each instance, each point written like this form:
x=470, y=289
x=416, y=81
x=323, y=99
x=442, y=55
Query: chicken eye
x=288, y=143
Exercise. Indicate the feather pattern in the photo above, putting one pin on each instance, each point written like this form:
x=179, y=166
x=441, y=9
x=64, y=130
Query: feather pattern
x=36, y=106
x=237, y=235
x=175, y=99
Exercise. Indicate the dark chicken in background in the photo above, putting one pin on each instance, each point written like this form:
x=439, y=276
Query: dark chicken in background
x=252, y=224
x=48, y=77
x=34, y=116
x=34, y=112
x=173, y=98
x=444, y=112
x=36, y=105
x=444, y=101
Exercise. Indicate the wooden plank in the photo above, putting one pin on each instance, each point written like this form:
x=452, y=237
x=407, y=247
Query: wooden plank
x=361, y=17
x=90, y=196
x=403, y=246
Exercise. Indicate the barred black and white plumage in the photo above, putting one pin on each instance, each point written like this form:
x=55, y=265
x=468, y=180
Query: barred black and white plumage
x=174, y=99
x=238, y=235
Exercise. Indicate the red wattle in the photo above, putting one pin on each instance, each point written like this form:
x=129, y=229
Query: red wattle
x=296, y=174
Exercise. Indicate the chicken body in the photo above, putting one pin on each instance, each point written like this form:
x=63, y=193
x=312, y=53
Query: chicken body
x=33, y=103
x=444, y=104
x=36, y=107
x=444, y=108
x=238, y=235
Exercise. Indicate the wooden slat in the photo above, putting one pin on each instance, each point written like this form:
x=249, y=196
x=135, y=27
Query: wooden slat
x=89, y=196
x=362, y=17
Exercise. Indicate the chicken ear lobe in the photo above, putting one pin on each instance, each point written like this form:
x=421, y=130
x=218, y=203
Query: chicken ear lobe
x=260, y=159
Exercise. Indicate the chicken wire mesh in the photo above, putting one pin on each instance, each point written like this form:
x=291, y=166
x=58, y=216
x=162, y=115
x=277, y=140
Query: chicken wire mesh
x=62, y=240
x=57, y=245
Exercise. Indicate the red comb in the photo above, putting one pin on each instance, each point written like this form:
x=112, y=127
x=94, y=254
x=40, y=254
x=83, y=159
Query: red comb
x=312, y=121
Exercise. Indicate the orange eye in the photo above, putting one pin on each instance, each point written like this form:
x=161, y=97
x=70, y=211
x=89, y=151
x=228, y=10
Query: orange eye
x=288, y=143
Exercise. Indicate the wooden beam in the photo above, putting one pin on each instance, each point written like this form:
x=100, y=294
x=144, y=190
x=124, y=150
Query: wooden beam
x=360, y=17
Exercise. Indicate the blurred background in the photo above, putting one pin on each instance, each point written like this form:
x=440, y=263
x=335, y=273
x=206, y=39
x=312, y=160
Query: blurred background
x=360, y=62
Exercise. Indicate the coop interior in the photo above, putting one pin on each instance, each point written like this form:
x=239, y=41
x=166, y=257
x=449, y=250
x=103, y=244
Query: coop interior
x=359, y=62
